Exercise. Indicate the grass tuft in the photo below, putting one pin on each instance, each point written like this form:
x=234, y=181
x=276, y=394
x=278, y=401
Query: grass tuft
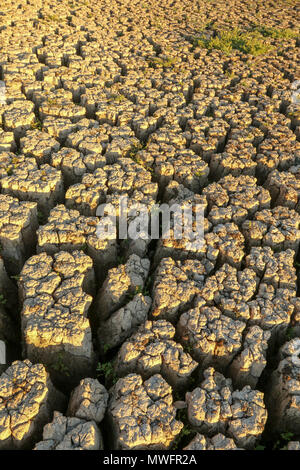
x=227, y=41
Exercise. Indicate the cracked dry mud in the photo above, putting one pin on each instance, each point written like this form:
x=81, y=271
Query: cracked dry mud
x=150, y=344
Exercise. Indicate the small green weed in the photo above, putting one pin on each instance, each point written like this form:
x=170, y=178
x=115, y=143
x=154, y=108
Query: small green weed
x=186, y=434
x=290, y=333
x=117, y=97
x=227, y=41
x=42, y=219
x=158, y=62
x=276, y=33
x=59, y=365
x=106, y=347
x=282, y=442
x=37, y=125
x=106, y=370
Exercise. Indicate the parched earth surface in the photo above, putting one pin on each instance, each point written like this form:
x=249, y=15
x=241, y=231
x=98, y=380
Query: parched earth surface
x=149, y=344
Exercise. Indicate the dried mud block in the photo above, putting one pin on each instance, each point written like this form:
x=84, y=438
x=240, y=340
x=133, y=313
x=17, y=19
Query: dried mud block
x=235, y=160
x=217, y=442
x=123, y=322
x=87, y=195
x=74, y=165
x=213, y=338
x=152, y=350
x=114, y=112
x=230, y=243
x=7, y=142
x=70, y=434
x=215, y=408
x=121, y=283
x=224, y=244
x=27, y=182
x=123, y=178
x=55, y=327
x=121, y=146
x=184, y=227
x=284, y=187
x=88, y=401
x=241, y=296
x=165, y=135
x=68, y=230
x=248, y=365
x=92, y=140
x=39, y=145
x=277, y=228
x=18, y=117
x=235, y=199
x=283, y=391
x=230, y=290
x=178, y=193
x=61, y=107
x=185, y=167
x=280, y=150
x=276, y=269
x=10, y=162
x=27, y=401
x=272, y=310
x=176, y=284
x=18, y=225
x=142, y=415
x=59, y=128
